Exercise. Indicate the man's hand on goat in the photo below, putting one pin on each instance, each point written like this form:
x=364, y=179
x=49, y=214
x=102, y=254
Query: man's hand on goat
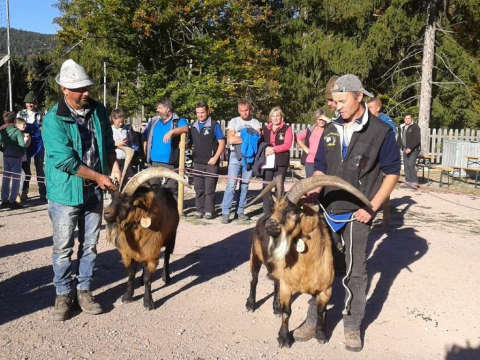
x=106, y=183
x=364, y=215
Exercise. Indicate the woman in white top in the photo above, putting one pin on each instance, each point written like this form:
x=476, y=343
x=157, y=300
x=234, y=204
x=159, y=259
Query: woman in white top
x=122, y=135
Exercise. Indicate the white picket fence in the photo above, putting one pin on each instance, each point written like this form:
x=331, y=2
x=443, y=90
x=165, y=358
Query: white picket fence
x=435, y=136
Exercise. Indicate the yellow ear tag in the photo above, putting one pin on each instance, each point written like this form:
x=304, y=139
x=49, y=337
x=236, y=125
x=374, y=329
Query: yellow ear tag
x=300, y=246
x=146, y=222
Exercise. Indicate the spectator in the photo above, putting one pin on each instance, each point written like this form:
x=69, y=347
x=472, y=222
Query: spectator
x=122, y=136
x=21, y=124
x=13, y=145
x=236, y=167
x=360, y=149
x=375, y=107
x=161, y=141
x=409, y=140
x=80, y=147
x=208, y=142
x=309, y=138
x=33, y=117
x=279, y=135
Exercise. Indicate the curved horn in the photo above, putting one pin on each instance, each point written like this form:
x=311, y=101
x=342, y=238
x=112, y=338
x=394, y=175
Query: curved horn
x=275, y=183
x=128, y=159
x=306, y=185
x=149, y=174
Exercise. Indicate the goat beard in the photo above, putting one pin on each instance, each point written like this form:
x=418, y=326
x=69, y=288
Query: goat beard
x=112, y=233
x=283, y=246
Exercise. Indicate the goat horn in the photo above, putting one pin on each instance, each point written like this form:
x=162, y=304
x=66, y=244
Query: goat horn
x=276, y=183
x=306, y=185
x=149, y=174
x=128, y=159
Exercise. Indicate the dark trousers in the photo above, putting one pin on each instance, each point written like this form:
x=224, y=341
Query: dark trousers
x=169, y=183
x=409, y=162
x=38, y=161
x=269, y=175
x=205, y=188
x=357, y=281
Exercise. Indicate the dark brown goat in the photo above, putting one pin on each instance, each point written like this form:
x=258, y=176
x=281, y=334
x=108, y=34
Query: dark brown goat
x=295, y=246
x=139, y=223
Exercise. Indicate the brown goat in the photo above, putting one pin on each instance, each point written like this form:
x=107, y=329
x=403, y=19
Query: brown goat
x=295, y=246
x=139, y=223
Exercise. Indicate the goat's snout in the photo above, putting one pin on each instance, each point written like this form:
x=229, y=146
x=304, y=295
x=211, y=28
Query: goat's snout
x=272, y=227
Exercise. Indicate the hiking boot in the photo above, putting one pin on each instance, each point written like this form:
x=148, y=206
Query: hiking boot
x=353, y=342
x=87, y=302
x=243, y=217
x=208, y=216
x=5, y=204
x=15, y=206
x=304, y=332
x=225, y=218
x=63, y=305
x=23, y=197
x=198, y=215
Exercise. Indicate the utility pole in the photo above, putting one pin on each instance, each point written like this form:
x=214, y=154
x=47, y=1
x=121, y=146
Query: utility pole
x=118, y=95
x=105, y=83
x=9, y=56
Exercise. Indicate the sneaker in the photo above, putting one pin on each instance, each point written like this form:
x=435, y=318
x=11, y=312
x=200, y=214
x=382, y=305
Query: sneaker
x=198, y=215
x=304, y=332
x=353, y=342
x=5, y=205
x=15, y=206
x=208, y=216
x=225, y=218
x=63, y=305
x=243, y=217
x=23, y=197
x=87, y=302
x=18, y=198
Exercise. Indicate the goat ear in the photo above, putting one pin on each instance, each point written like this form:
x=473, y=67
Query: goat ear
x=274, y=198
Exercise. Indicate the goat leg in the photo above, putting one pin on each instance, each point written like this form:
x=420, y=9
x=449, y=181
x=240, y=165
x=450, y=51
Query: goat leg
x=285, y=338
x=131, y=270
x=166, y=259
x=255, y=265
x=321, y=328
x=148, y=273
x=277, y=307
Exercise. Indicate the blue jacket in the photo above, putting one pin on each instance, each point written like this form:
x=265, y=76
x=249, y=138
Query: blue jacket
x=249, y=145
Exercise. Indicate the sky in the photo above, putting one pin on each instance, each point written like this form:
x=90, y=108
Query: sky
x=33, y=15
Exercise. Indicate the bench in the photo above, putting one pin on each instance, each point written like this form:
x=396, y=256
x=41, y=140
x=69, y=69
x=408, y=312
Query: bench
x=460, y=168
x=443, y=171
x=425, y=161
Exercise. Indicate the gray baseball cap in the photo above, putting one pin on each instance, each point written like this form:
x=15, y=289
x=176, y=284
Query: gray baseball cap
x=350, y=83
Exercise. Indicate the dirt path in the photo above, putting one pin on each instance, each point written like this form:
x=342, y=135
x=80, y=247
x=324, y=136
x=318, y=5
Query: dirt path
x=422, y=302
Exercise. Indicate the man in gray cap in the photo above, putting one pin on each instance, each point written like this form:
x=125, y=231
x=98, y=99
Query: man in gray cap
x=35, y=150
x=80, y=153
x=359, y=148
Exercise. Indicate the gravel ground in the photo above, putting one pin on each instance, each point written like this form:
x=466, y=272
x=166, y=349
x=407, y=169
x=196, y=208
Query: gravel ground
x=422, y=295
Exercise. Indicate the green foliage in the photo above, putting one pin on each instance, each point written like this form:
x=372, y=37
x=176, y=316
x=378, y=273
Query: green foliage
x=271, y=52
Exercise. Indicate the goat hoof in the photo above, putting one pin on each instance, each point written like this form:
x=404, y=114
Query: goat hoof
x=250, y=305
x=126, y=299
x=321, y=338
x=149, y=304
x=285, y=341
x=322, y=341
x=277, y=310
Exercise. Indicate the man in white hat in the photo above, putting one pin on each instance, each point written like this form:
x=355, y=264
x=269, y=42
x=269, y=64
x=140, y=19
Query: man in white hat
x=359, y=148
x=80, y=151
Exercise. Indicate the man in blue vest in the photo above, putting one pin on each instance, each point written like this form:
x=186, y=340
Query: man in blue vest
x=35, y=150
x=359, y=148
x=208, y=143
x=161, y=141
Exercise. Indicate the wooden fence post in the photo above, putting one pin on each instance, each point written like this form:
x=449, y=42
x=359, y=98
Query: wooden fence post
x=181, y=172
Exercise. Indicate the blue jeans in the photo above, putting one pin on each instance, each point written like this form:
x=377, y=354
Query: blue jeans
x=235, y=169
x=88, y=217
x=12, y=168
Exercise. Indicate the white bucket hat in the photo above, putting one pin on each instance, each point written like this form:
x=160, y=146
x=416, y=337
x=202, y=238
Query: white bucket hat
x=73, y=76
